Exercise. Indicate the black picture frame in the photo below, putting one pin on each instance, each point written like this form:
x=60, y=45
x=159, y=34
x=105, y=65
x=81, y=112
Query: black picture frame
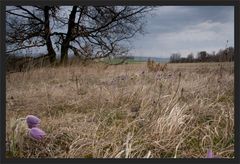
x=234, y=3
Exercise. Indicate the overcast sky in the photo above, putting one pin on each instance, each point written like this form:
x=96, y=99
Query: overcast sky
x=185, y=29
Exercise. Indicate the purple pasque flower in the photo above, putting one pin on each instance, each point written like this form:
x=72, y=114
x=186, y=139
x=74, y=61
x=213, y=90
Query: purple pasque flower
x=210, y=154
x=36, y=133
x=32, y=121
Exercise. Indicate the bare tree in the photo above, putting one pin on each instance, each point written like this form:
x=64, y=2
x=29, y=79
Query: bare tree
x=89, y=32
x=175, y=57
x=202, y=56
x=190, y=57
x=29, y=27
x=100, y=30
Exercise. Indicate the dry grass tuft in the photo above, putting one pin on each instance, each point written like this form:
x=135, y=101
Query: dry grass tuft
x=155, y=67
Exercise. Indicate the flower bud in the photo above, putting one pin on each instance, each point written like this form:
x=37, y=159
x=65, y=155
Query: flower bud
x=36, y=133
x=32, y=121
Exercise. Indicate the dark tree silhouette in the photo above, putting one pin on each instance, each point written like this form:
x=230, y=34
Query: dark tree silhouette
x=175, y=57
x=29, y=27
x=190, y=57
x=202, y=56
x=89, y=32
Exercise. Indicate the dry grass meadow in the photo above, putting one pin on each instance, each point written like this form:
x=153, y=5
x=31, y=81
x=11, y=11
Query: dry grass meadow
x=123, y=111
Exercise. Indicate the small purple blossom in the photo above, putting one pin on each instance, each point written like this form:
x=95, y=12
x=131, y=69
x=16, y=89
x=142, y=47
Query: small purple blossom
x=32, y=121
x=210, y=154
x=36, y=133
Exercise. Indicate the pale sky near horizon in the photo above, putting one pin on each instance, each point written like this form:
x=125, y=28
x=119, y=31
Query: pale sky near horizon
x=185, y=29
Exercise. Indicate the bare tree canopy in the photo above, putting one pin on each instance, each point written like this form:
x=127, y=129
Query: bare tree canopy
x=86, y=31
x=29, y=27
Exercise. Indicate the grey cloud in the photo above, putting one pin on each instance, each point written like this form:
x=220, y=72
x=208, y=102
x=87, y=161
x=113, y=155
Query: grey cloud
x=186, y=29
x=168, y=19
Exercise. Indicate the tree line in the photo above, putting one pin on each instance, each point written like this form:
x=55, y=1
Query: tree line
x=226, y=55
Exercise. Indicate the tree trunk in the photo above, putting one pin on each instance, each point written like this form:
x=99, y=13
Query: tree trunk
x=66, y=41
x=51, y=51
x=64, y=53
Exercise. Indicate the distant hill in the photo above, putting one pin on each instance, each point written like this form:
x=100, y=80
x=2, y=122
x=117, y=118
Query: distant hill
x=135, y=59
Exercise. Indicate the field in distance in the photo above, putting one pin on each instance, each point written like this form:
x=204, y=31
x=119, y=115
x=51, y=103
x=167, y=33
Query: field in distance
x=124, y=111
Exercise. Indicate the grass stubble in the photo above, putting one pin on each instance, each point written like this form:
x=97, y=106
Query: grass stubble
x=123, y=111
